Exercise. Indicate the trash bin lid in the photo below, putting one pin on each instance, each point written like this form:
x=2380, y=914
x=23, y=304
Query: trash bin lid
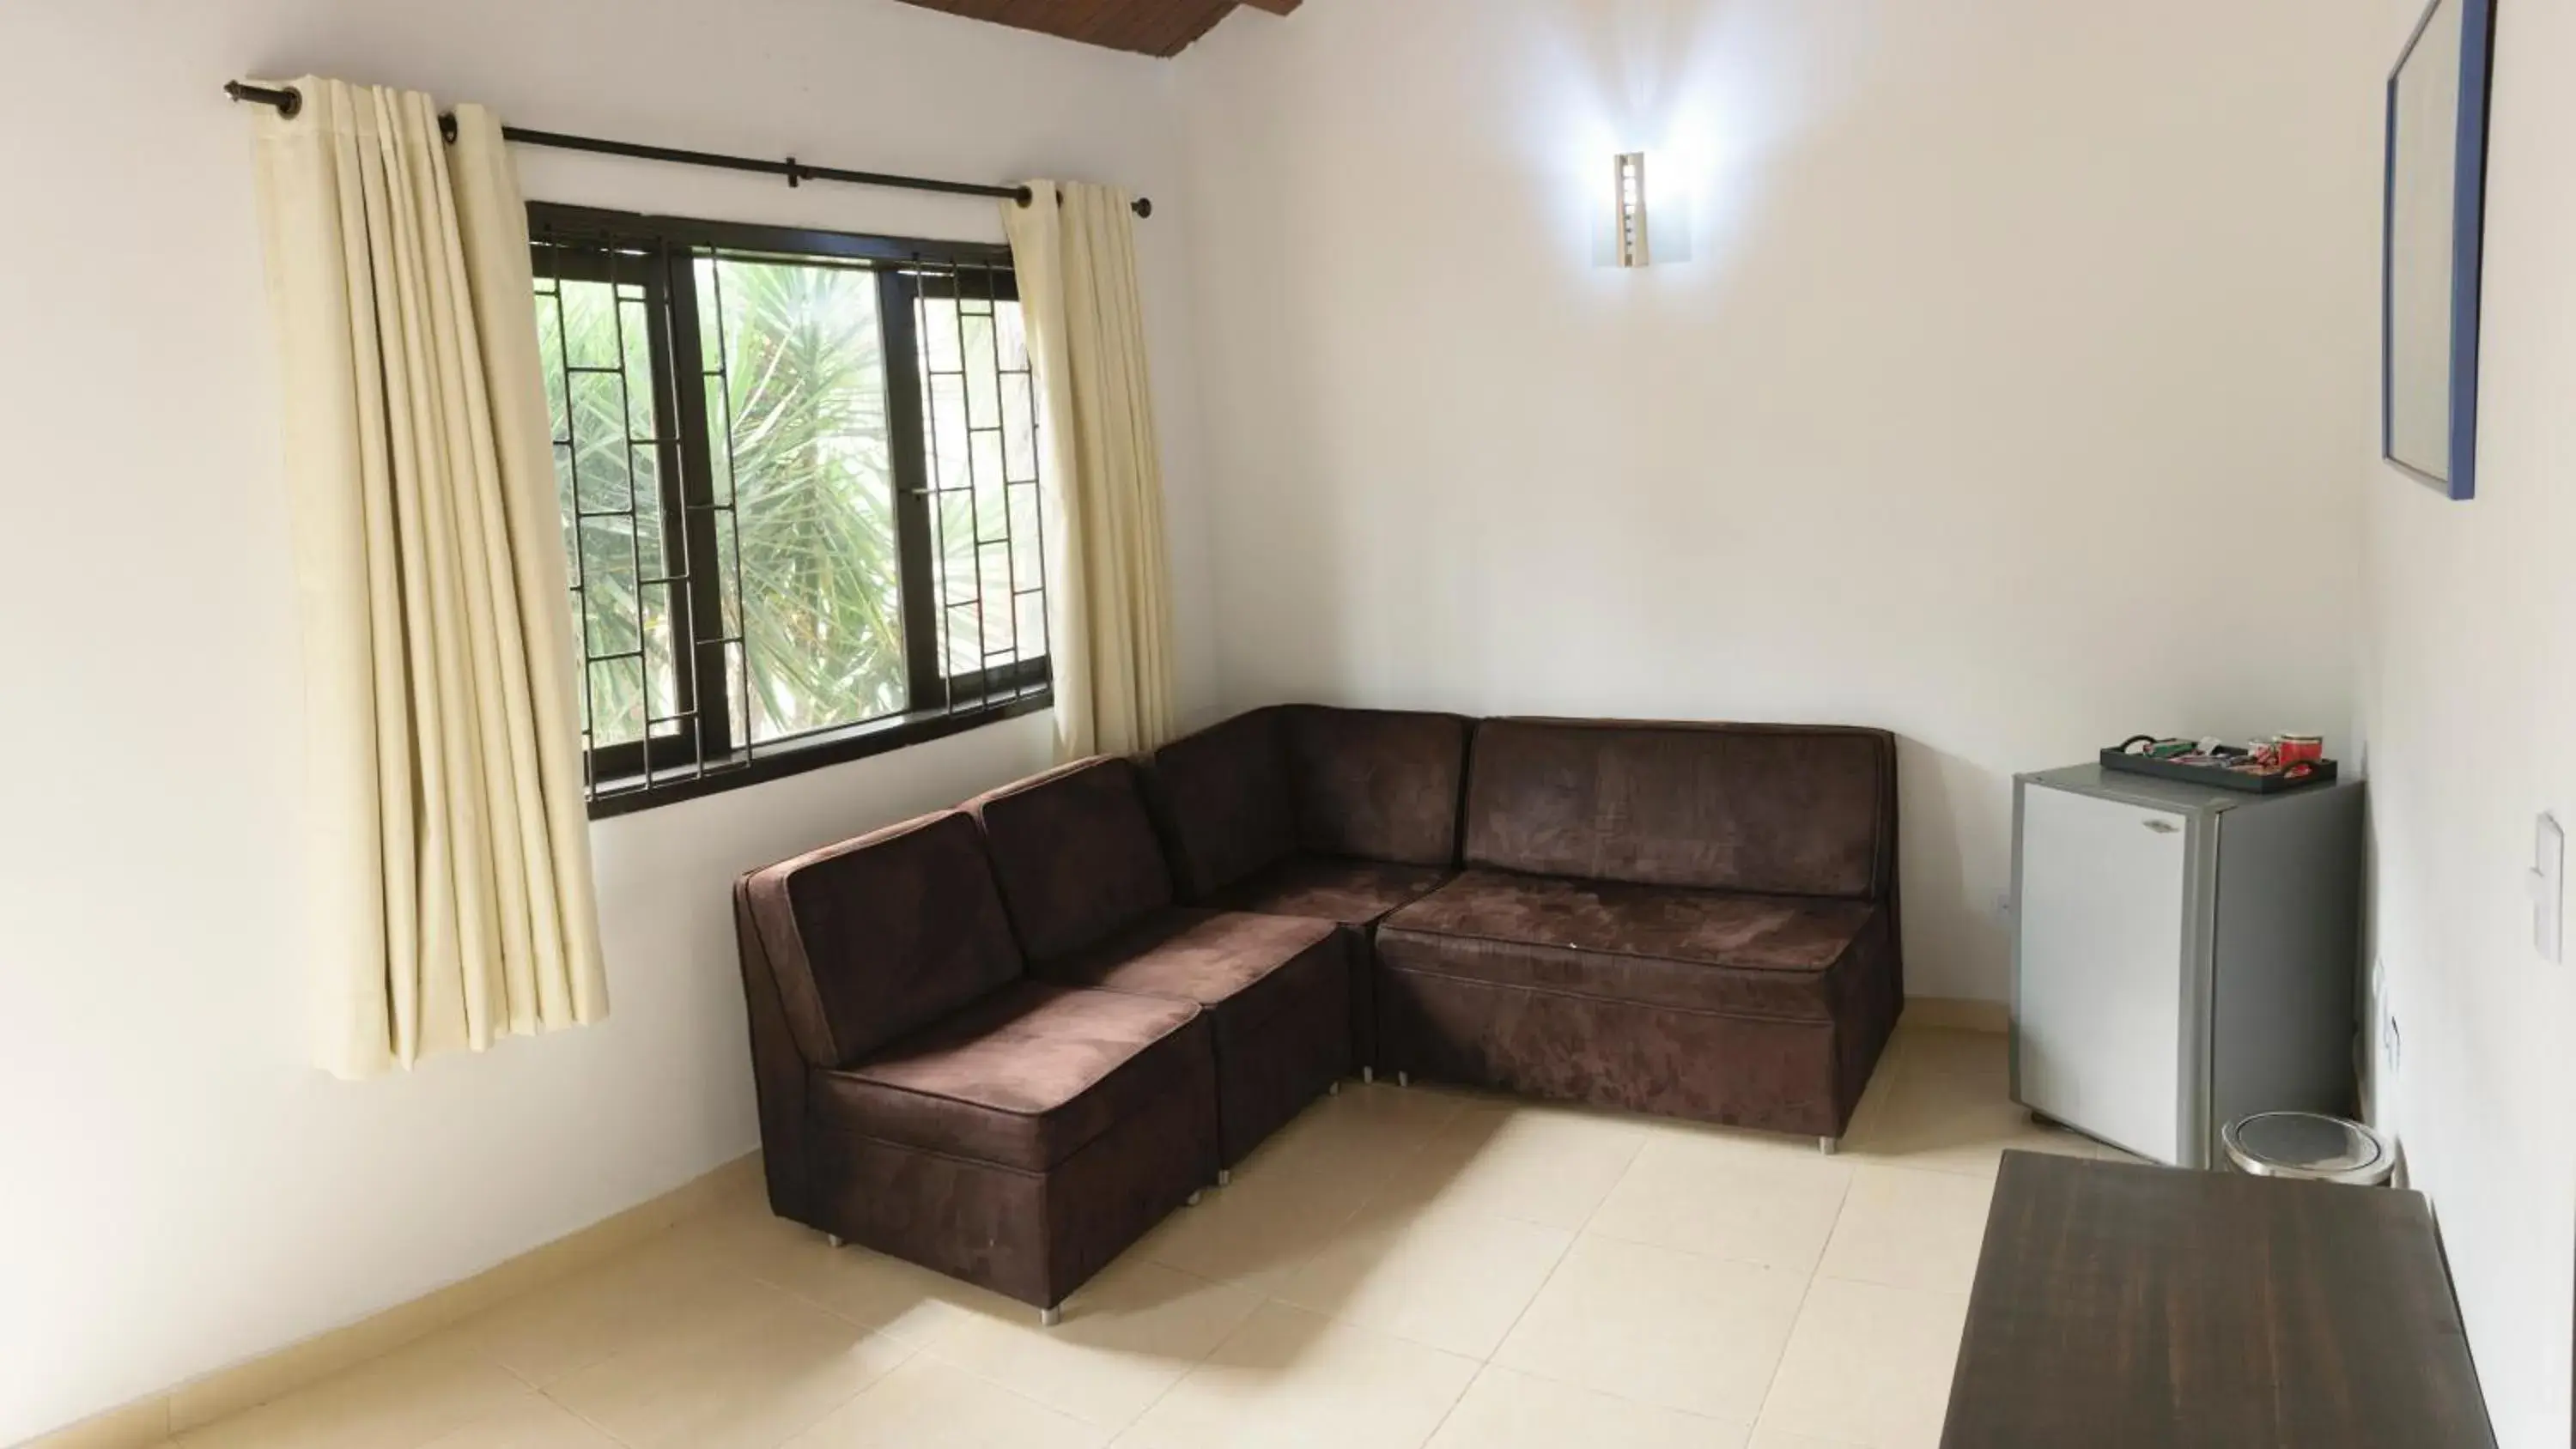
x=2308, y=1145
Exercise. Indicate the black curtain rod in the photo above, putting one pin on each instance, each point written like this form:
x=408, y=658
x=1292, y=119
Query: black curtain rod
x=288, y=101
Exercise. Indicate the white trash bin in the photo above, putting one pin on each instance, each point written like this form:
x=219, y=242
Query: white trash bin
x=2309, y=1145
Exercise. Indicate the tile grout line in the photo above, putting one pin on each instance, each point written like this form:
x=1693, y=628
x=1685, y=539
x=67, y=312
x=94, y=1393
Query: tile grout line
x=1806, y=1290
x=1486, y=1361
x=1895, y=1084
x=988, y=1381
x=1138, y=1417
x=1572, y=1239
x=602, y=1430
x=538, y=1389
x=1263, y=1297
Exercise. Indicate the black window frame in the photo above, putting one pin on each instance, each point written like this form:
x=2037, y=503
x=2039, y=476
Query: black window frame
x=706, y=754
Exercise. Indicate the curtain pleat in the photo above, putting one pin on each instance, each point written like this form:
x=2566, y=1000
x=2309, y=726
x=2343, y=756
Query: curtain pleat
x=1108, y=571
x=451, y=894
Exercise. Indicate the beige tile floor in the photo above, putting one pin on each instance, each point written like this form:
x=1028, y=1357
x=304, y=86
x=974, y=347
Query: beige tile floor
x=1399, y=1267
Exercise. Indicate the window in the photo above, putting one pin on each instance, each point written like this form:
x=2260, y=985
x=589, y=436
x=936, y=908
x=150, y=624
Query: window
x=799, y=477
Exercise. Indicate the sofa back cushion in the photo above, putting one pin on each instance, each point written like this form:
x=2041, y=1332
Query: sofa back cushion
x=1376, y=784
x=1076, y=854
x=1792, y=810
x=1223, y=799
x=875, y=938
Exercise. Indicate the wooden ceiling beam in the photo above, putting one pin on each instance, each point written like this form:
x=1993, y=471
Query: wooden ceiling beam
x=1148, y=27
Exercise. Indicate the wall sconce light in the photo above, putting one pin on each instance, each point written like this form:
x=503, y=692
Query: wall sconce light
x=1628, y=219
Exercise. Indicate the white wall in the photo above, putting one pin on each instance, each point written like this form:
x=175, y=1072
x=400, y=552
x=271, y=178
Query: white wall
x=178, y=1190
x=2469, y=703
x=2005, y=399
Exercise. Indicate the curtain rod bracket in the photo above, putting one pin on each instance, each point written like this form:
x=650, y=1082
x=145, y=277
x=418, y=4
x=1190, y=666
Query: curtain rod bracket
x=795, y=178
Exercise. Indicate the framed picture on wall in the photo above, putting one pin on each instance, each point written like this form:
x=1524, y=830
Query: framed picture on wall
x=2433, y=241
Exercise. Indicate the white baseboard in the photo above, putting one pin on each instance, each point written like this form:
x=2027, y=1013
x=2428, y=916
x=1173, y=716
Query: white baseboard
x=228, y=1391
x=1959, y=1013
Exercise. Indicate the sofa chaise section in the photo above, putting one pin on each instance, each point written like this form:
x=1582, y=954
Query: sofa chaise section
x=1691, y=920
x=1340, y=815
x=921, y=1095
x=1091, y=897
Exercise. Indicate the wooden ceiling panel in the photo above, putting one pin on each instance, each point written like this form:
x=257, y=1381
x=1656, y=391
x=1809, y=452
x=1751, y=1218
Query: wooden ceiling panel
x=1148, y=27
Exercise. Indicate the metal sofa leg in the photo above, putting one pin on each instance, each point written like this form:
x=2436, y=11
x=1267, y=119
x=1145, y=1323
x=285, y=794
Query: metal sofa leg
x=1334, y=1089
x=1829, y=1145
x=835, y=1240
x=1368, y=1075
x=1050, y=1317
x=1195, y=1194
x=1404, y=1079
x=1225, y=1177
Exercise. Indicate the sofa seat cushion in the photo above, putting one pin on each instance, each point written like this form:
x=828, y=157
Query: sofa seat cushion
x=1332, y=888
x=1234, y=964
x=1276, y=995
x=1698, y=950
x=1023, y=1077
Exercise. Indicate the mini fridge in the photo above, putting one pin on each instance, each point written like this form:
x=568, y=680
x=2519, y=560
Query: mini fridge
x=2182, y=955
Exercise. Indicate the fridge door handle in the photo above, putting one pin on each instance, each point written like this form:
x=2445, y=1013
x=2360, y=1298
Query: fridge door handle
x=2161, y=827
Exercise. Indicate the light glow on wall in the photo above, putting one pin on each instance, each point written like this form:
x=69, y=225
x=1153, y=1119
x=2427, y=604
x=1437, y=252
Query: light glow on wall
x=1717, y=94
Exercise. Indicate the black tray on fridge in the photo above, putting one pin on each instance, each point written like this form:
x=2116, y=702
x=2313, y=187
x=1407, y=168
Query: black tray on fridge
x=2249, y=781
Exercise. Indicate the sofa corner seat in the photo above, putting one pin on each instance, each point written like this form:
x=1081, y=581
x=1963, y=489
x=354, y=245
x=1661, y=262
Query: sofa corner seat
x=1696, y=921
x=1338, y=815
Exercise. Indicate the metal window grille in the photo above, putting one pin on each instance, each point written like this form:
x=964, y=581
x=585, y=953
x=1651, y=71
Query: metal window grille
x=801, y=494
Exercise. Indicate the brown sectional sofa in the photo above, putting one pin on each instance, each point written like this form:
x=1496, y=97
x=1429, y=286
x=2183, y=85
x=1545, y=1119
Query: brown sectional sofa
x=1005, y=1041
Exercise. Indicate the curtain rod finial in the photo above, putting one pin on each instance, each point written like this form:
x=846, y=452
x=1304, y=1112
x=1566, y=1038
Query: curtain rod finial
x=288, y=100
x=1144, y=206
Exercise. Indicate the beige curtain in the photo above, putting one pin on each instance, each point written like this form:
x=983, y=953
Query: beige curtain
x=449, y=850
x=1108, y=579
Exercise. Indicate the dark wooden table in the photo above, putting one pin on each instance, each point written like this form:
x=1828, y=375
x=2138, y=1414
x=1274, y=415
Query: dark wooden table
x=2122, y=1307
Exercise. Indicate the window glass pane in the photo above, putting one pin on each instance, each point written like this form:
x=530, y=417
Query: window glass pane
x=1012, y=330
x=802, y=370
x=1019, y=428
x=951, y=463
x=1028, y=570
x=939, y=330
x=955, y=522
x=995, y=559
x=981, y=426
x=1033, y=624
x=983, y=380
x=964, y=653
x=595, y=349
